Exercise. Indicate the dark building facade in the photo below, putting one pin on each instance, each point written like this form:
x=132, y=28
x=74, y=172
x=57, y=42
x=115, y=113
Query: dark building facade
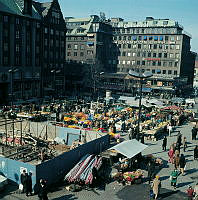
x=22, y=39
x=88, y=44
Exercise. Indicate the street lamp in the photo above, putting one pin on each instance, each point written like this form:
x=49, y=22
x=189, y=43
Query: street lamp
x=141, y=77
x=55, y=72
x=94, y=79
x=12, y=71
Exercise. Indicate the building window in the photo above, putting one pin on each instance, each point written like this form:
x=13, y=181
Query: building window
x=159, y=63
x=5, y=46
x=123, y=53
x=177, y=47
x=177, y=55
x=166, y=38
x=172, y=38
x=129, y=46
x=5, y=18
x=75, y=46
x=164, y=71
x=150, y=37
x=171, y=55
x=154, y=55
x=160, y=55
x=166, y=46
x=75, y=53
x=165, y=55
x=134, y=37
x=69, y=46
x=139, y=46
x=139, y=37
x=154, y=63
x=178, y=37
x=81, y=54
x=160, y=46
x=124, y=37
x=164, y=64
x=17, y=48
x=169, y=71
x=143, y=62
x=17, y=21
x=155, y=46
x=155, y=38
x=145, y=38
x=170, y=64
x=161, y=38
x=68, y=53
x=129, y=37
x=128, y=54
x=89, y=52
x=17, y=34
x=138, y=62
x=46, y=42
x=172, y=46
x=119, y=45
x=124, y=46
x=175, y=72
x=149, y=54
x=128, y=62
x=153, y=71
x=52, y=31
x=176, y=64
x=46, y=30
x=123, y=30
x=138, y=54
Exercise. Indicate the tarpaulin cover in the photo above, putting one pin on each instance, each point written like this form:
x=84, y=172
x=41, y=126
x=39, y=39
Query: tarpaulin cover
x=129, y=148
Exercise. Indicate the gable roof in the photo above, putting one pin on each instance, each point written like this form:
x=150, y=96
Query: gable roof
x=16, y=7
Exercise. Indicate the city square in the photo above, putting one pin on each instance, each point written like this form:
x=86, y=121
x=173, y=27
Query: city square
x=96, y=106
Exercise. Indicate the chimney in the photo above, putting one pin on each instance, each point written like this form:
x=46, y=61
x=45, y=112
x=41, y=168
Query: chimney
x=27, y=10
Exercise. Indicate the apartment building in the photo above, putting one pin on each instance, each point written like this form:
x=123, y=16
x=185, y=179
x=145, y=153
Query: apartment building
x=88, y=44
x=160, y=46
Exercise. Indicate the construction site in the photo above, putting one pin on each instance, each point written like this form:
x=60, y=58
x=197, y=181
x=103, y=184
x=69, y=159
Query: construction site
x=40, y=146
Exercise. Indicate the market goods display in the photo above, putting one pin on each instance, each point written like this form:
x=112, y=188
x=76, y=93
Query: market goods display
x=82, y=171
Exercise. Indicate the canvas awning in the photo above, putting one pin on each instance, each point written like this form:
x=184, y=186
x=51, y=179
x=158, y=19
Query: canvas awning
x=129, y=148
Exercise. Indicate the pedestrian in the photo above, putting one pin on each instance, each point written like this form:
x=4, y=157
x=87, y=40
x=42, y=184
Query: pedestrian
x=173, y=178
x=182, y=163
x=176, y=161
x=29, y=184
x=42, y=191
x=171, y=154
x=194, y=132
x=24, y=179
x=169, y=127
x=185, y=143
x=196, y=152
x=190, y=193
x=164, y=143
x=151, y=170
x=156, y=185
x=130, y=132
x=196, y=191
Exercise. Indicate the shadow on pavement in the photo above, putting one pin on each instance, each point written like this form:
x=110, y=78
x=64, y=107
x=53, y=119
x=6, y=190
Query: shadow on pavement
x=8, y=190
x=184, y=183
x=66, y=197
x=142, y=191
x=191, y=171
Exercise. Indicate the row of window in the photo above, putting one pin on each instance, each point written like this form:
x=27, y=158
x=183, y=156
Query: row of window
x=149, y=54
x=154, y=71
x=89, y=52
x=54, y=32
x=150, y=46
x=147, y=63
x=150, y=38
x=151, y=30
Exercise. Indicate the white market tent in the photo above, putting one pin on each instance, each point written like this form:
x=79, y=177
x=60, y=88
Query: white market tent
x=129, y=148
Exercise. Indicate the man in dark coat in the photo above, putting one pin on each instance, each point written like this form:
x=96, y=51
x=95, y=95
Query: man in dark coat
x=24, y=179
x=42, y=191
x=151, y=170
x=164, y=144
x=29, y=184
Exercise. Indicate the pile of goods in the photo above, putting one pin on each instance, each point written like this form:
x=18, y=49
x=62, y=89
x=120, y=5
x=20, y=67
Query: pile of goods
x=128, y=177
x=82, y=171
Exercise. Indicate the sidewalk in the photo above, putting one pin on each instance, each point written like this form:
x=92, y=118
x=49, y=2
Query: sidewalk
x=191, y=173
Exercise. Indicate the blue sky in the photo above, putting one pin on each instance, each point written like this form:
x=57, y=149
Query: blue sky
x=183, y=11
